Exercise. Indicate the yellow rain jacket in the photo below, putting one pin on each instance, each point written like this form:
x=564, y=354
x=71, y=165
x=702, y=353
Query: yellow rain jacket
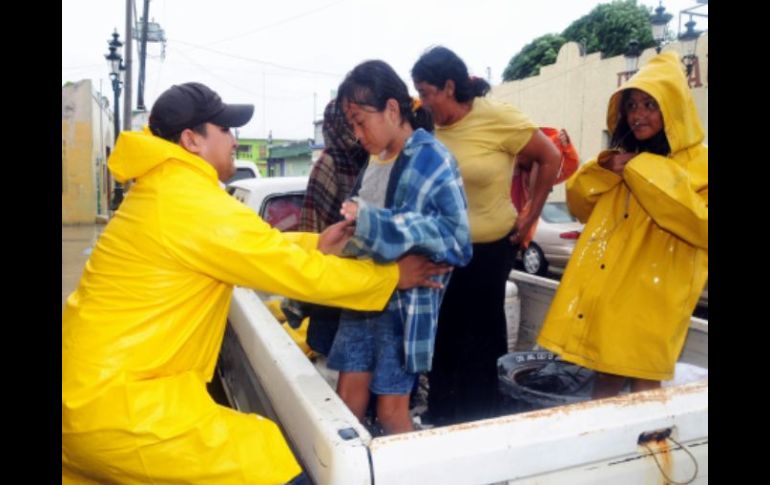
x=142, y=332
x=624, y=303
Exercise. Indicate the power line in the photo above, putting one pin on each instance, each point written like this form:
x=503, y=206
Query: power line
x=211, y=73
x=260, y=61
x=240, y=88
x=280, y=22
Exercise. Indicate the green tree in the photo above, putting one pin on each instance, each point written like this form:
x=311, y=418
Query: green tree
x=610, y=26
x=607, y=28
x=540, y=52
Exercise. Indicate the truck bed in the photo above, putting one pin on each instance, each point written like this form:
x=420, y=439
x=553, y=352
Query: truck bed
x=595, y=442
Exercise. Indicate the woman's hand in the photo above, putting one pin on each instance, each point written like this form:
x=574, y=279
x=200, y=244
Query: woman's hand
x=522, y=227
x=616, y=162
x=349, y=210
x=333, y=239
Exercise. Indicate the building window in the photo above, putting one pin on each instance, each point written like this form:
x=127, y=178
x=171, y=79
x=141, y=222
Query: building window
x=244, y=151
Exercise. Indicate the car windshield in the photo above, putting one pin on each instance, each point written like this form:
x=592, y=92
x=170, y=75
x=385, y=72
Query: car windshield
x=557, y=212
x=240, y=174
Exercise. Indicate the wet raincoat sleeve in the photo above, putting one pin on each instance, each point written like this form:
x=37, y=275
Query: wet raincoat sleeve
x=586, y=186
x=674, y=199
x=230, y=243
x=305, y=240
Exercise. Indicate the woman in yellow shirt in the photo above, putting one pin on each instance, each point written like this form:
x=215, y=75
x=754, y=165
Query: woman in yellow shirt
x=485, y=137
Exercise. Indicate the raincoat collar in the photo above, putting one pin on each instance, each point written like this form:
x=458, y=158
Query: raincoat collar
x=137, y=153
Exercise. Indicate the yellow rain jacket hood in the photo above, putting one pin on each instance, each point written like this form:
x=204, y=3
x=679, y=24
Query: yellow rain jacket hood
x=142, y=332
x=625, y=301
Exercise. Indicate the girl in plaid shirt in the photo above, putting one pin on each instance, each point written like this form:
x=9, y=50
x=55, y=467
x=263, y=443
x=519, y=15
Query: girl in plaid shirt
x=408, y=199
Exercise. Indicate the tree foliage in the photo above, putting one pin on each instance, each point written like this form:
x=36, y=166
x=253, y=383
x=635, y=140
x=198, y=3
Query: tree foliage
x=607, y=28
x=540, y=52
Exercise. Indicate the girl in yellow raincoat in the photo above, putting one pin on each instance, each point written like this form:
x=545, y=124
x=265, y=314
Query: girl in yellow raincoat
x=142, y=332
x=627, y=294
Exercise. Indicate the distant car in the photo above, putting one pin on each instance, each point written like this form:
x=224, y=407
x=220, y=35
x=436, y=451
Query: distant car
x=278, y=200
x=244, y=169
x=555, y=237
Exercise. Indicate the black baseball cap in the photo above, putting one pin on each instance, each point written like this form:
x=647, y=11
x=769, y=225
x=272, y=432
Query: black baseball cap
x=187, y=105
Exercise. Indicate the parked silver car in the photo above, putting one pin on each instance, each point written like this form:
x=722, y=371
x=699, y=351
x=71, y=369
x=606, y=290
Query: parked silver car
x=554, y=239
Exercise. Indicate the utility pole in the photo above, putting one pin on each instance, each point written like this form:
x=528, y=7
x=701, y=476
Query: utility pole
x=142, y=59
x=128, y=61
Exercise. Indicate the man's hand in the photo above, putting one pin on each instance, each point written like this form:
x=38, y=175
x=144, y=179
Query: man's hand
x=334, y=237
x=415, y=270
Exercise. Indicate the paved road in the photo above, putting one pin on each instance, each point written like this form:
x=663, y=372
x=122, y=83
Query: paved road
x=76, y=244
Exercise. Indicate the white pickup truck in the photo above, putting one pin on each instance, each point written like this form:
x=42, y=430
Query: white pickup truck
x=652, y=437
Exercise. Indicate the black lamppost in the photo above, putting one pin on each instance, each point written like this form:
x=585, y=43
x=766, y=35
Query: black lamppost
x=689, y=40
x=116, y=66
x=632, y=56
x=658, y=22
x=633, y=51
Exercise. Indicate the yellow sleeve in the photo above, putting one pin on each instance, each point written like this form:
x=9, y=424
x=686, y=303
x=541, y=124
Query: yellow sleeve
x=305, y=240
x=517, y=129
x=220, y=237
x=675, y=197
x=585, y=187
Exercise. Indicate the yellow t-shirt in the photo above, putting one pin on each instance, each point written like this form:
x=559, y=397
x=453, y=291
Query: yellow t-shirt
x=485, y=143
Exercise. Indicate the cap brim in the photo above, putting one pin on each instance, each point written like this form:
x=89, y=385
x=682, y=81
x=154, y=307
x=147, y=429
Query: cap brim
x=234, y=115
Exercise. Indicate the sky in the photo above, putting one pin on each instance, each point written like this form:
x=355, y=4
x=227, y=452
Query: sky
x=288, y=56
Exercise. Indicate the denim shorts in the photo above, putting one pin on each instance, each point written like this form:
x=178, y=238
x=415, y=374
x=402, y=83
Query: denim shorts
x=373, y=342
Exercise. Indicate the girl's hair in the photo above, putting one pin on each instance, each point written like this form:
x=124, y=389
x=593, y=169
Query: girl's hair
x=624, y=138
x=439, y=64
x=373, y=83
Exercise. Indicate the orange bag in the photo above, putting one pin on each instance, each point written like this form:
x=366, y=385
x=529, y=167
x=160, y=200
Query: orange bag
x=520, y=195
x=569, y=156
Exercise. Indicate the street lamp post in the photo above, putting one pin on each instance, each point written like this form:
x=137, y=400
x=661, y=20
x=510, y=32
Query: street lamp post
x=658, y=22
x=116, y=67
x=632, y=60
x=689, y=40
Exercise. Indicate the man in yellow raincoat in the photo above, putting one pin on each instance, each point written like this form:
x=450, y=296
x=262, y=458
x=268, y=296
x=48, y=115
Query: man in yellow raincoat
x=624, y=303
x=142, y=332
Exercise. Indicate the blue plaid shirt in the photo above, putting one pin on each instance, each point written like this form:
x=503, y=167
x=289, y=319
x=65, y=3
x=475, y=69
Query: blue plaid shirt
x=425, y=213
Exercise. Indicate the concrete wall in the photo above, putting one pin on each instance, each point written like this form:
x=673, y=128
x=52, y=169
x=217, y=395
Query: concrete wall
x=573, y=94
x=87, y=133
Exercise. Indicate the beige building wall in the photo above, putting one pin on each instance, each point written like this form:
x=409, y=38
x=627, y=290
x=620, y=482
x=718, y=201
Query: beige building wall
x=87, y=135
x=573, y=94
